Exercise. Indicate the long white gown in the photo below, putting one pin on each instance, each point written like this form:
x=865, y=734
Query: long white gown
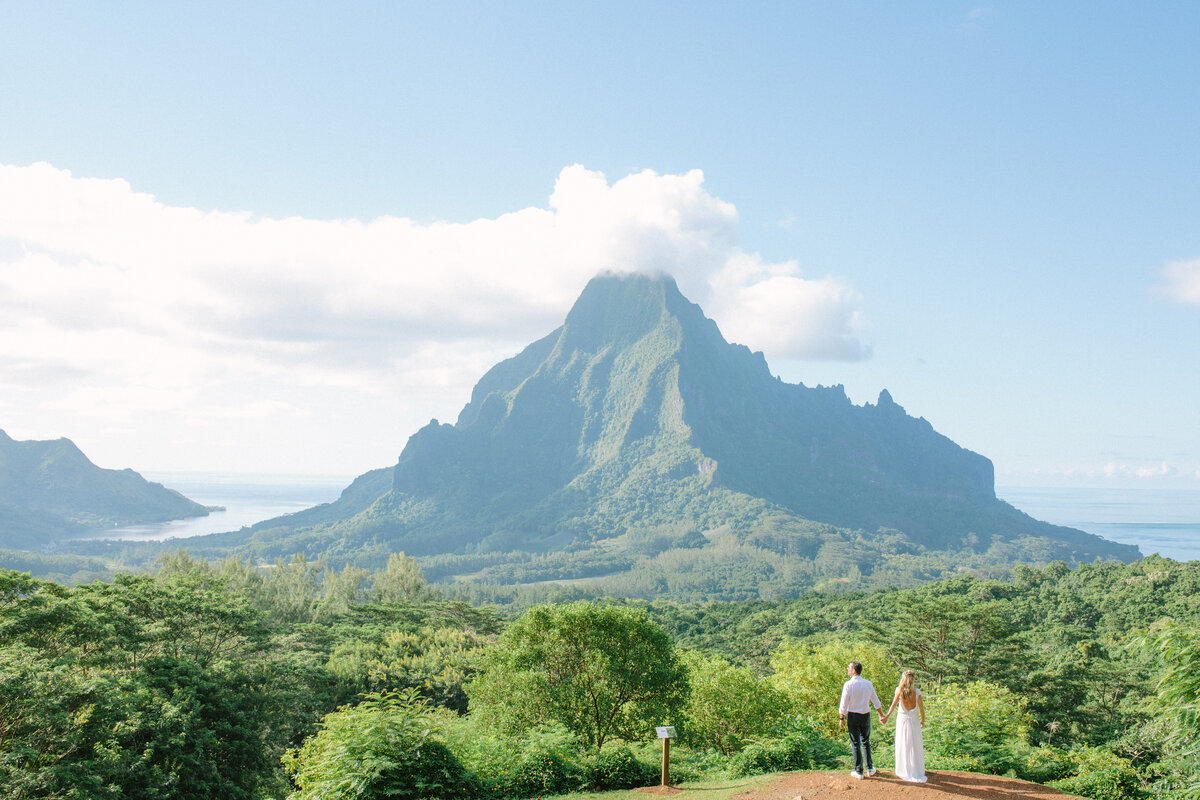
x=910, y=750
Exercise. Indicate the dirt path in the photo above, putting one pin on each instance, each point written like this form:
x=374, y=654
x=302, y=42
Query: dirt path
x=941, y=786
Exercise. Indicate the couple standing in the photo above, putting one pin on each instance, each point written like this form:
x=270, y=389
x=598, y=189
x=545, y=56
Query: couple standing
x=854, y=715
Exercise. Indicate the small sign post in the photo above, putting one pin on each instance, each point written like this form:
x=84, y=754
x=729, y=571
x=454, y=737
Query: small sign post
x=666, y=733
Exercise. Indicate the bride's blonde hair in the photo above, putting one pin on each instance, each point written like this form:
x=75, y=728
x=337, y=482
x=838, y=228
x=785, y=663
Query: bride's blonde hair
x=908, y=686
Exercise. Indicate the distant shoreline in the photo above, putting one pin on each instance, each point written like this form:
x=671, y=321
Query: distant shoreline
x=1157, y=520
x=1166, y=521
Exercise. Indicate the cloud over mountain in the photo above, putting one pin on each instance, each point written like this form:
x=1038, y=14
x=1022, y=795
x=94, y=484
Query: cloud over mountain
x=121, y=297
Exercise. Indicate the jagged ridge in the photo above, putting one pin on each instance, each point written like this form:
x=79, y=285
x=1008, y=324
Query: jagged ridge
x=637, y=413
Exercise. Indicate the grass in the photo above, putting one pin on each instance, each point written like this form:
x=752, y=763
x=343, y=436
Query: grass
x=700, y=790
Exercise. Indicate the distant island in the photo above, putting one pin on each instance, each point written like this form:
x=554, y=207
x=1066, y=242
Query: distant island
x=50, y=491
x=635, y=451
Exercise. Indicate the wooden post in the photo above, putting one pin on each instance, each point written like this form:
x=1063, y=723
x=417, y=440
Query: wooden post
x=666, y=733
x=666, y=765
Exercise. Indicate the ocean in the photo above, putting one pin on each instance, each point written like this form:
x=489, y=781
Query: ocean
x=1163, y=521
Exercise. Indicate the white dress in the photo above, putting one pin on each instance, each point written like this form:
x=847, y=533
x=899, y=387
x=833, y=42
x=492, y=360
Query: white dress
x=910, y=751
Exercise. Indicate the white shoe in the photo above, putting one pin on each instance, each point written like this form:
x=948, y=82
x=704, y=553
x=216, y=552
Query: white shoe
x=871, y=772
x=856, y=774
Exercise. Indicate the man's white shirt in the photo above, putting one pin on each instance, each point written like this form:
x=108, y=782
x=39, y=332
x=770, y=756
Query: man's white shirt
x=858, y=695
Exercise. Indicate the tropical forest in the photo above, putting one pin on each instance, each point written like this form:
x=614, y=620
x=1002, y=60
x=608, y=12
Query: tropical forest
x=200, y=679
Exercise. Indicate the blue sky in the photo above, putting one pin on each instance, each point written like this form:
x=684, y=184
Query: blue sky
x=282, y=237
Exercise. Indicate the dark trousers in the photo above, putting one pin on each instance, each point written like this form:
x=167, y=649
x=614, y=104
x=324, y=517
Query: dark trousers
x=859, y=726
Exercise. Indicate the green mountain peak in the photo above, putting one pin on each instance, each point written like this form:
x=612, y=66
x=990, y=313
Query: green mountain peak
x=636, y=417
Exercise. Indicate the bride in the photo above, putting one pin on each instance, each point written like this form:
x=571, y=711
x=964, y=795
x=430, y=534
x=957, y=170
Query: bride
x=910, y=752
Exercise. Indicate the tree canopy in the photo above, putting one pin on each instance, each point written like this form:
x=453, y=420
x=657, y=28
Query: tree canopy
x=601, y=671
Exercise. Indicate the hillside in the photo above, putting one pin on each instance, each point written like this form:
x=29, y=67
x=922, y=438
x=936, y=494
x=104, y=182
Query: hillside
x=49, y=490
x=635, y=434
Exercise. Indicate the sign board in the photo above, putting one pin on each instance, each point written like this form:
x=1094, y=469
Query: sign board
x=666, y=733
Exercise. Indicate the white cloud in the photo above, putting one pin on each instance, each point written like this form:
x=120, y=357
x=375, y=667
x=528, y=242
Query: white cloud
x=113, y=304
x=787, y=316
x=1182, y=472
x=1142, y=470
x=1182, y=281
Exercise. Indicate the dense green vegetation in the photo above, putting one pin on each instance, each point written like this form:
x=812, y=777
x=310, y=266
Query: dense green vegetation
x=769, y=557
x=225, y=680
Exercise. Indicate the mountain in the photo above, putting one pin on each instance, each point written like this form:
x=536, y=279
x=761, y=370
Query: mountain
x=636, y=430
x=49, y=490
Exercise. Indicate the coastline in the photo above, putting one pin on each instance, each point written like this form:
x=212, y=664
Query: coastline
x=1163, y=521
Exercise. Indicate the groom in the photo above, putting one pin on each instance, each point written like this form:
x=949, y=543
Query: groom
x=854, y=714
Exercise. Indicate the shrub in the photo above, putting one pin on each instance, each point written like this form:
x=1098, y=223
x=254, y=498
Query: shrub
x=381, y=747
x=616, y=767
x=545, y=761
x=957, y=762
x=1113, y=783
x=728, y=705
x=800, y=744
x=483, y=753
x=1101, y=775
x=1045, y=764
x=979, y=724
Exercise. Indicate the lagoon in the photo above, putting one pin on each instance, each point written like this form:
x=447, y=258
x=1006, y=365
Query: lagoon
x=1163, y=521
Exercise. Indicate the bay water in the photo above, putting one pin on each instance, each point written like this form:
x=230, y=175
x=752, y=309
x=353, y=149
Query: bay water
x=246, y=498
x=1163, y=521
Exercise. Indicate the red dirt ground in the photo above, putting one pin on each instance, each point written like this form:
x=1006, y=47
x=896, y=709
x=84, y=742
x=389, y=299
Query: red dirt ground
x=941, y=786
